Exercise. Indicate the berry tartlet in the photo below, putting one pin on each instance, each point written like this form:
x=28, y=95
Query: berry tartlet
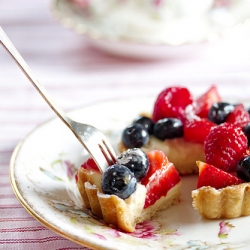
x=178, y=126
x=130, y=191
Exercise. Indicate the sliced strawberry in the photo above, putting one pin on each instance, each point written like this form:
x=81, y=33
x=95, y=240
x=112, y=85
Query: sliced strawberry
x=157, y=160
x=161, y=177
x=214, y=177
x=91, y=165
x=205, y=101
x=172, y=102
x=197, y=130
x=224, y=146
x=239, y=116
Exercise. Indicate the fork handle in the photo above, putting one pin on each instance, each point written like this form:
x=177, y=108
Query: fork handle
x=7, y=44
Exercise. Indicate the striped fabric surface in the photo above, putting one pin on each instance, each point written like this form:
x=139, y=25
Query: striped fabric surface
x=76, y=75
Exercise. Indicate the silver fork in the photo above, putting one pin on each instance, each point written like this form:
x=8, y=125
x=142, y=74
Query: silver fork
x=91, y=138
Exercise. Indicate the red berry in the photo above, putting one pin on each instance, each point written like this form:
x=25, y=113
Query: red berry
x=161, y=177
x=172, y=102
x=76, y=177
x=205, y=101
x=224, y=146
x=91, y=165
x=197, y=130
x=157, y=159
x=214, y=177
x=239, y=116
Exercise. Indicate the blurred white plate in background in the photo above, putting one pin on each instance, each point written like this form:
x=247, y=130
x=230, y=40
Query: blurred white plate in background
x=140, y=41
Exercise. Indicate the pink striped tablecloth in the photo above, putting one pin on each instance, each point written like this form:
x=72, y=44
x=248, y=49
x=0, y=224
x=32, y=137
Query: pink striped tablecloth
x=76, y=74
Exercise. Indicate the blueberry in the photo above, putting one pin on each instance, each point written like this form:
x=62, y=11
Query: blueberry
x=168, y=128
x=135, y=136
x=118, y=180
x=219, y=112
x=243, y=169
x=146, y=122
x=247, y=132
x=136, y=160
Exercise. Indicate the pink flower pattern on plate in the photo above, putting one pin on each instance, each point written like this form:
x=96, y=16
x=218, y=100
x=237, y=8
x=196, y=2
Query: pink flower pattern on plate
x=225, y=228
x=146, y=230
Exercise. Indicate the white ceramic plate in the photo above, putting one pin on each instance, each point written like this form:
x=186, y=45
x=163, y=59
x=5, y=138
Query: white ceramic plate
x=42, y=176
x=175, y=38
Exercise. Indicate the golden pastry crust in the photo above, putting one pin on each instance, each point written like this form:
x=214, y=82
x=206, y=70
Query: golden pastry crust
x=124, y=214
x=93, y=177
x=229, y=202
x=182, y=153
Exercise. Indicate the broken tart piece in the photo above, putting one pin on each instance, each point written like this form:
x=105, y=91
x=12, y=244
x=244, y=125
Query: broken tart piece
x=130, y=191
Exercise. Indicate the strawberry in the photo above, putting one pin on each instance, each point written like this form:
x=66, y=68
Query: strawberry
x=196, y=130
x=172, y=102
x=157, y=159
x=161, y=177
x=205, y=101
x=224, y=146
x=91, y=165
x=239, y=116
x=215, y=177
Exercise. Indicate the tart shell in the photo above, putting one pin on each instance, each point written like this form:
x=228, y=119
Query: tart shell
x=229, y=202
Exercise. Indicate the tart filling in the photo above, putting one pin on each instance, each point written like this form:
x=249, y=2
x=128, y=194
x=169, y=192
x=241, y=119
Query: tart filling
x=183, y=153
